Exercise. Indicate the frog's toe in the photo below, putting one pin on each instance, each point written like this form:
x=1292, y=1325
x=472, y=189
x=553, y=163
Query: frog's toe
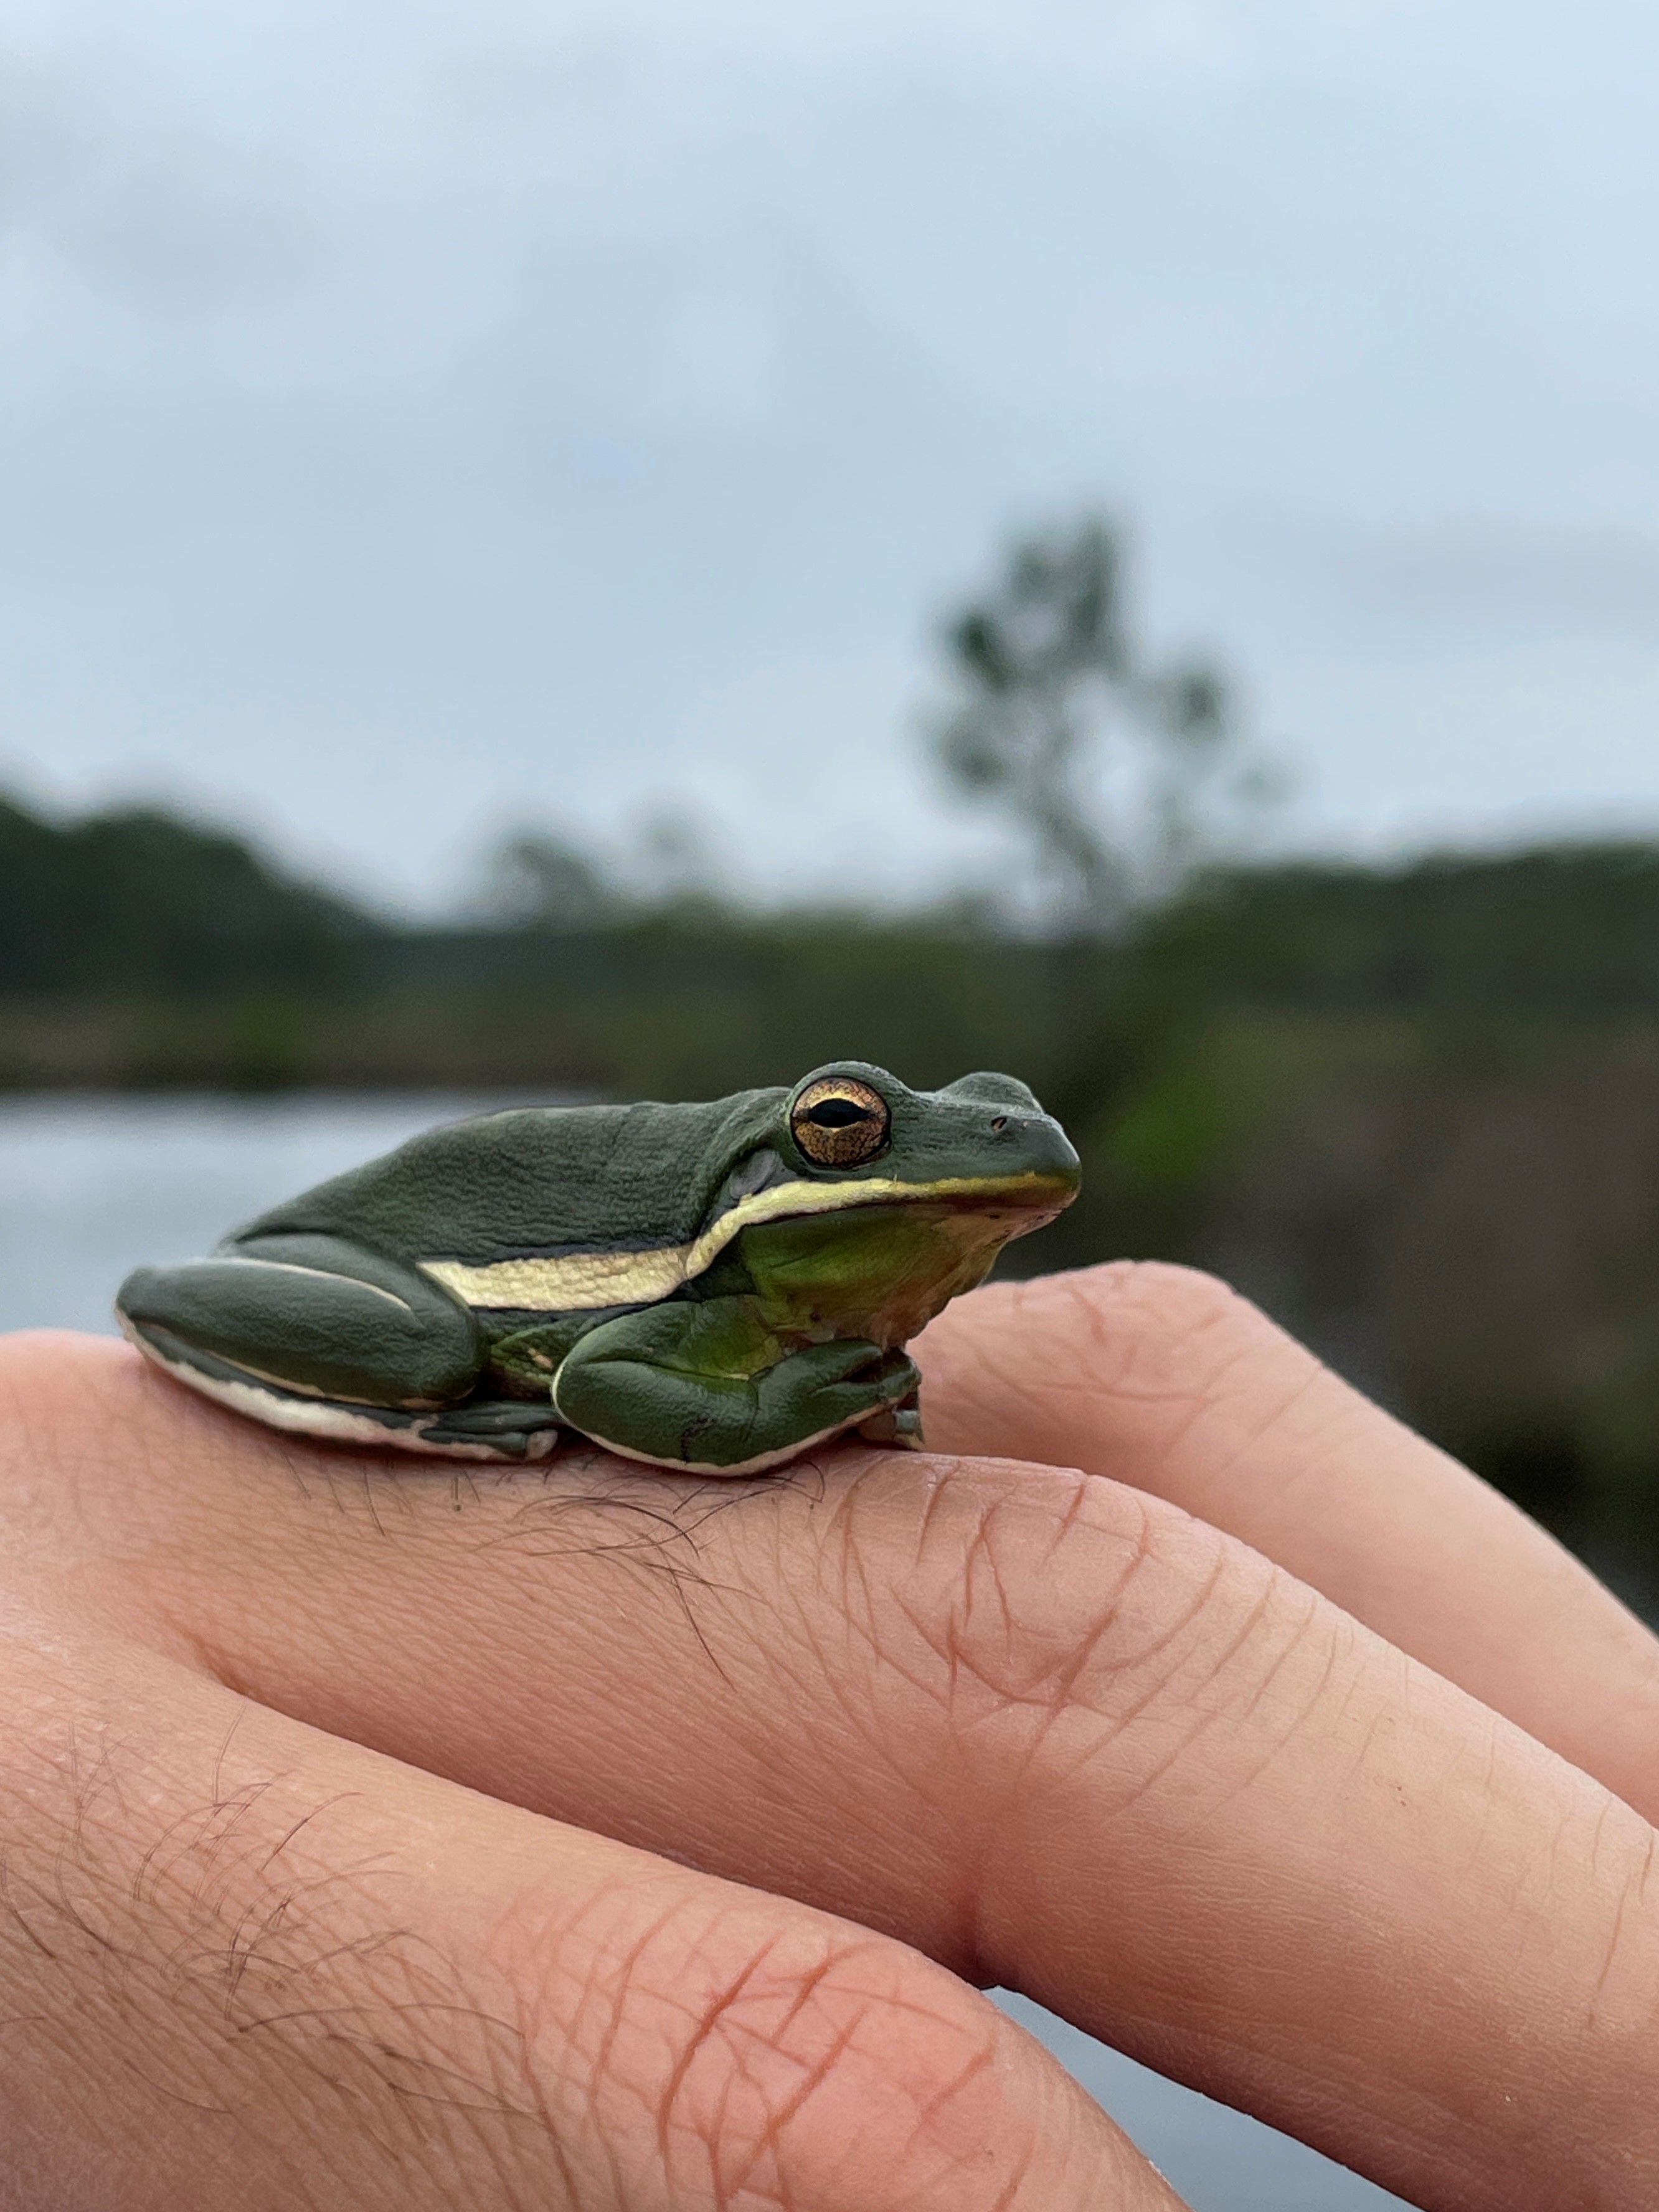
x=898, y=1425
x=510, y=1426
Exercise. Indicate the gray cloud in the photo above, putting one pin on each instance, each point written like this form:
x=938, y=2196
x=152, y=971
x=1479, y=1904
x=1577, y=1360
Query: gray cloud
x=413, y=418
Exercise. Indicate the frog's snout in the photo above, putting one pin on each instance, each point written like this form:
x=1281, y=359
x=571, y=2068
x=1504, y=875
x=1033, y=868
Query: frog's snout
x=1036, y=1144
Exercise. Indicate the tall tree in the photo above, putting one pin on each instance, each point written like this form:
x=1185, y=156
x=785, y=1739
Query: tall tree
x=1121, y=774
x=1117, y=771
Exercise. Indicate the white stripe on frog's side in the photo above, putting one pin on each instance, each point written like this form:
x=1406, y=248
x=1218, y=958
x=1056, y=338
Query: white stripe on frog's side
x=578, y=1281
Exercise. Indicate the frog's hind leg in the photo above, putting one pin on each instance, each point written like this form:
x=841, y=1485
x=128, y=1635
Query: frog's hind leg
x=313, y=1335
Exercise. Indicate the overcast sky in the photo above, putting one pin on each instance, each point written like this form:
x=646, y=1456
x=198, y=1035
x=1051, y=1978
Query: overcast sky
x=418, y=419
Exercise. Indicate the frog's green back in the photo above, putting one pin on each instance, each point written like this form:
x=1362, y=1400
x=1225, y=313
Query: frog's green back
x=540, y=1179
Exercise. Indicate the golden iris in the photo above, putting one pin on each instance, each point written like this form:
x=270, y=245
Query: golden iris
x=840, y=1123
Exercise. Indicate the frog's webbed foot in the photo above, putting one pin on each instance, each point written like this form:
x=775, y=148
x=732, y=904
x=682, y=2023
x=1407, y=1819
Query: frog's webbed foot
x=508, y=1426
x=668, y=1385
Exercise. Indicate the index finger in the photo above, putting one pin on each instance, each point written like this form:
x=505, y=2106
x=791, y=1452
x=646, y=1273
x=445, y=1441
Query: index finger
x=1164, y=1378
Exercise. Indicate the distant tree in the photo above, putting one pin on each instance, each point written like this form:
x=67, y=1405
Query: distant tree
x=674, y=863
x=1122, y=775
x=551, y=879
x=542, y=879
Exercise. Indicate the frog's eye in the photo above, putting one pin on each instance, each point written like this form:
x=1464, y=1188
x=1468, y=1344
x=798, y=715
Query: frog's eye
x=839, y=1124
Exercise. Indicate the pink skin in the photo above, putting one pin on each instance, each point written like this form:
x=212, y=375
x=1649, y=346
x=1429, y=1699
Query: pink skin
x=580, y=1835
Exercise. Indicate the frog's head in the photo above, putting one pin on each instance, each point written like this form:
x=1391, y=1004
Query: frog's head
x=983, y=1138
x=864, y=1206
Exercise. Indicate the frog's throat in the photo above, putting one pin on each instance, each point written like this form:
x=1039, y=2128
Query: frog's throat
x=571, y=1281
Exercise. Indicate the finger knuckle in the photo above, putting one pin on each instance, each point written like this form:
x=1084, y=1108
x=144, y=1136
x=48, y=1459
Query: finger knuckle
x=776, y=2060
x=1053, y=1616
x=1157, y=1329
x=1029, y=1588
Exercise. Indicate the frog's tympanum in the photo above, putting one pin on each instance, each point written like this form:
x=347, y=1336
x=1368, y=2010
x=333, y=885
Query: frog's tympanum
x=711, y=1288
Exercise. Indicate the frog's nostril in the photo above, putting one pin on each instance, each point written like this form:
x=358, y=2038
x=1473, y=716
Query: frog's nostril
x=998, y=1122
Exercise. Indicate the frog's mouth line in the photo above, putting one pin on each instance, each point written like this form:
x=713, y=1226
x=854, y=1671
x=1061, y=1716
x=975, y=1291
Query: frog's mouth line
x=573, y=1282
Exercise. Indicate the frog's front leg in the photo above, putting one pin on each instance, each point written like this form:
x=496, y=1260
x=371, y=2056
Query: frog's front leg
x=704, y=1385
x=319, y=1335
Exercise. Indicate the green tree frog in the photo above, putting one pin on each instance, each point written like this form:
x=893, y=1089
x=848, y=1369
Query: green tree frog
x=710, y=1288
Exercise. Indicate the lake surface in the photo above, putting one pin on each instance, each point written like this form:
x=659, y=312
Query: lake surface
x=88, y=1188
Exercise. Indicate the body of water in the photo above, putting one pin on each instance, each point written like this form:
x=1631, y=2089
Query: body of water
x=88, y=1188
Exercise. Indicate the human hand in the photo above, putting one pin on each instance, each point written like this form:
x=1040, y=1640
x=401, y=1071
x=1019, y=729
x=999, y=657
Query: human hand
x=263, y=1944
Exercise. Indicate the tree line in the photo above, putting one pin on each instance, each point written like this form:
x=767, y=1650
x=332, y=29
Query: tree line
x=141, y=901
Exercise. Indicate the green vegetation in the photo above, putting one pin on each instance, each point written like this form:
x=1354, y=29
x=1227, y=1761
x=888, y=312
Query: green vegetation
x=1566, y=929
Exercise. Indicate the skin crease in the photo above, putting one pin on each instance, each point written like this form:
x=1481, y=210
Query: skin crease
x=1033, y=1721
x=1163, y=1377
